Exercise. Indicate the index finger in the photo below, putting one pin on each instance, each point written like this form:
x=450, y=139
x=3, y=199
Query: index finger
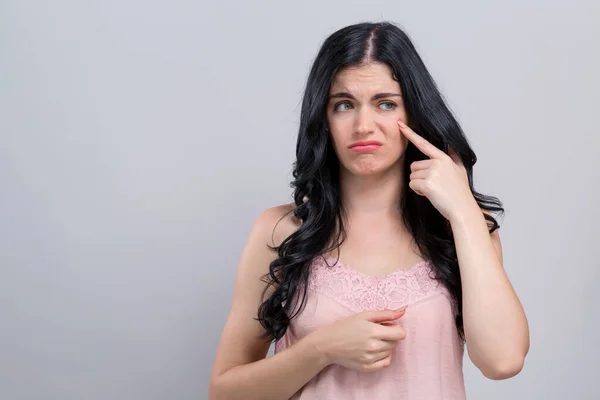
x=420, y=143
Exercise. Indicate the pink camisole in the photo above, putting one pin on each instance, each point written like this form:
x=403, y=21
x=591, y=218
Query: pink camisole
x=426, y=365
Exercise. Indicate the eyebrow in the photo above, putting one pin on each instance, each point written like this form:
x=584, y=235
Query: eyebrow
x=346, y=95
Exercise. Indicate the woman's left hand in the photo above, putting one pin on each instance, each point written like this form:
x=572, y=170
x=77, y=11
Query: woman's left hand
x=442, y=179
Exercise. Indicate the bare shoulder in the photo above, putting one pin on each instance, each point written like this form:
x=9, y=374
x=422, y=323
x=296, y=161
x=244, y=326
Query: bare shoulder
x=275, y=224
x=241, y=340
x=271, y=227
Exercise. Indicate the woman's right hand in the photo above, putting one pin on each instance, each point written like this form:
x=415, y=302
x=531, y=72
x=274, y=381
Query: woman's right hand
x=363, y=341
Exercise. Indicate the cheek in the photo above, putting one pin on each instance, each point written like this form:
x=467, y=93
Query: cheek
x=394, y=137
x=336, y=136
x=340, y=133
x=396, y=145
x=337, y=140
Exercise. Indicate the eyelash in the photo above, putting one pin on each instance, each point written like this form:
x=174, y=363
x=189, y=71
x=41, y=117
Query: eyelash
x=383, y=102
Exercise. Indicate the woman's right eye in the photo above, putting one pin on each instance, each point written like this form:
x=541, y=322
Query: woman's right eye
x=345, y=103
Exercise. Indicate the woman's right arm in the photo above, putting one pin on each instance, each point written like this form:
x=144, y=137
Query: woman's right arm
x=240, y=370
x=277, y=377
x=363, y=341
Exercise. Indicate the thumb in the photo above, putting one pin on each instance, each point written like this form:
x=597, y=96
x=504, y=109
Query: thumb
x=385, y=315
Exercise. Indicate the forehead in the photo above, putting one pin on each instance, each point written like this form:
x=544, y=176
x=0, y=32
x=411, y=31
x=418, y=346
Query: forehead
x=372, y=77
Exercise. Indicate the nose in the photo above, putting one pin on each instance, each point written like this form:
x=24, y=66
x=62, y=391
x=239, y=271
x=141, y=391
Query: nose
x=364, y=123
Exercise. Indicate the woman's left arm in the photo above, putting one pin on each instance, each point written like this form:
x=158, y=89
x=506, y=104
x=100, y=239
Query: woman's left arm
x=496, y=328
x=495, y=325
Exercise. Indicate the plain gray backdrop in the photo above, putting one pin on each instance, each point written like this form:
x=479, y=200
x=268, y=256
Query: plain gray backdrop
x=139, y=140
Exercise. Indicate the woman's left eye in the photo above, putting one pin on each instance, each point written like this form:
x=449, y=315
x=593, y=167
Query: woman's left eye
x=389, y=105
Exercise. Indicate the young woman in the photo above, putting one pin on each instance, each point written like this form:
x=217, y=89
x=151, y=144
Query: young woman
x=388, y=261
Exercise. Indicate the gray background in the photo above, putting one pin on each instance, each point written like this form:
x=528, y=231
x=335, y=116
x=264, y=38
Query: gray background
x=140, y=139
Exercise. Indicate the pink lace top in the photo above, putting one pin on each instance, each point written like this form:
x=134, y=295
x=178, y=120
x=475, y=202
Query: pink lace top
x=426, y=365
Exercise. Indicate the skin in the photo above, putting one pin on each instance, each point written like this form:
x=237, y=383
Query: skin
x=496, y=328
x=353, y=114
x=366, y=104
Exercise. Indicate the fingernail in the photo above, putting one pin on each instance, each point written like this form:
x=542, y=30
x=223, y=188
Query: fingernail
x=401, y=309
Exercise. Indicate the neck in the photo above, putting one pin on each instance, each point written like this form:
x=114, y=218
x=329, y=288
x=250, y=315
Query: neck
x=372, y=196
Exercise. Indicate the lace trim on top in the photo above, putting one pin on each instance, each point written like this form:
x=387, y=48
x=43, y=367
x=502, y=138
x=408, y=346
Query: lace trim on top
x=361, y=292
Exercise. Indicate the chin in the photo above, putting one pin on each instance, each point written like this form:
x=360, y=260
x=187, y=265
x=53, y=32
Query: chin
x=367, y=172
x=370, y=168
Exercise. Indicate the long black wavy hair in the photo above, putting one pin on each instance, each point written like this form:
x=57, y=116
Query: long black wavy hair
x=316, y=171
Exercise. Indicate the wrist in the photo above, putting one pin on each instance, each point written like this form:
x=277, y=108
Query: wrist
x=318, y=345
x=466, y=214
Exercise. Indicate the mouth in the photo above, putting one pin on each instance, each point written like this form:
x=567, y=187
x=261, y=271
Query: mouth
x=369, y=145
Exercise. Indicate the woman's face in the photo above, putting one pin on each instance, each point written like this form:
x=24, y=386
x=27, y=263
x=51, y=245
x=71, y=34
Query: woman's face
x=365, y=104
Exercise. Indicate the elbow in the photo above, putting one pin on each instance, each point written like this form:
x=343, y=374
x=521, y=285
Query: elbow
x=504, y=370
x=213, y=392
x=502, y=363
x=215, y=389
